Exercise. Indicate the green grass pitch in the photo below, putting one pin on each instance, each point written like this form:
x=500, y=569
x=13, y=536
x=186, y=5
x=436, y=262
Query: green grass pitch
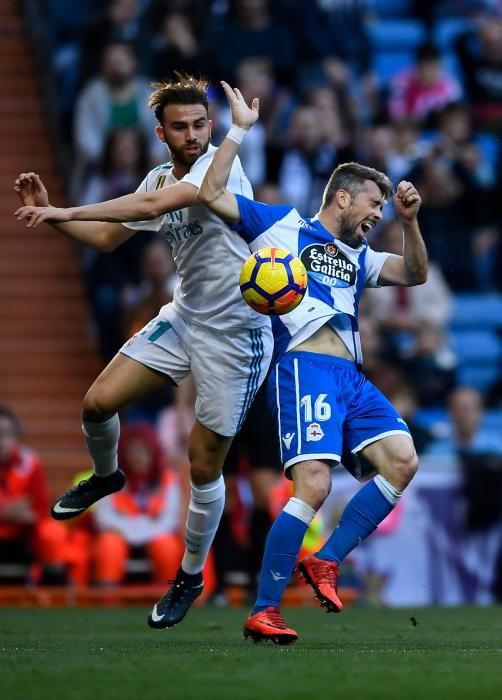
x=363, y=654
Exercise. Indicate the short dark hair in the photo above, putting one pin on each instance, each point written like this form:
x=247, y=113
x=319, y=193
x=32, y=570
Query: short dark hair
x=351, y=178
x=184, y=90
x=12, y=417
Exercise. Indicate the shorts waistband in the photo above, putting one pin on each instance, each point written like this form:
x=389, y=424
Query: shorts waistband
x=321, y=357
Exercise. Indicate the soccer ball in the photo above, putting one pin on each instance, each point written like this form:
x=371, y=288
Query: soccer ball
x=273, y=281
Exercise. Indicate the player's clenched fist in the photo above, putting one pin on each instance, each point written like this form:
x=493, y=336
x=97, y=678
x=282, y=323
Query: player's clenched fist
x=407, y=200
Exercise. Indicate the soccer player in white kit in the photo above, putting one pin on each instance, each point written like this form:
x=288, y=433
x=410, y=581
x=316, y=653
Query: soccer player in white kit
x=207, y=330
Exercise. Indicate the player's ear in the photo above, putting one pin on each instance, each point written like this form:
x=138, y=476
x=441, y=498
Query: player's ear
x=210, y=125
x=160, y=134
x=342, y=198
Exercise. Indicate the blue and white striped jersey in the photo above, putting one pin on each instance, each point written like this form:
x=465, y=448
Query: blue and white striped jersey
x=337, y=273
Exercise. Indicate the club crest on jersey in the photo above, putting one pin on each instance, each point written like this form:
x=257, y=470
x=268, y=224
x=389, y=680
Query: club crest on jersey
x=314, y=432
x=329, y=265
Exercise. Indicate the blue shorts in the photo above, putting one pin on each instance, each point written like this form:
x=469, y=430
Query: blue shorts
x=326, y=409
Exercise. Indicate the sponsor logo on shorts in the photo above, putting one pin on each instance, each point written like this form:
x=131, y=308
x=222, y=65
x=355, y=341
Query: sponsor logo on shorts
x=287, y=439
x=314, y=432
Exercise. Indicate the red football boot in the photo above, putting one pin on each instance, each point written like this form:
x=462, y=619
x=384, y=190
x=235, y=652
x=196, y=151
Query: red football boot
x=322, y=576
x=268, y=624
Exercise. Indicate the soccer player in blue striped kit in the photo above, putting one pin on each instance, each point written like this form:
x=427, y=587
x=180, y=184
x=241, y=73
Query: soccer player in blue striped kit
x=327, y=411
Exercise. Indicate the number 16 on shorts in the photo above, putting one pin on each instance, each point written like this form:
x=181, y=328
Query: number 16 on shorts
x=307, y=425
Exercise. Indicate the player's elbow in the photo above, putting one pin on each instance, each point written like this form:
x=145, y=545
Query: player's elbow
x=149, y=207
x=419, y=278
x=106, y=245
x=206, y=195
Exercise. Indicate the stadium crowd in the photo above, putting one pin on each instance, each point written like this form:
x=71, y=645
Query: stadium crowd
x=411, y=88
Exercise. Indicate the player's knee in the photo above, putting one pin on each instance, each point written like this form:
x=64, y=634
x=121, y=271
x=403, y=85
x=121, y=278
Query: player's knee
x=313, y=488
x=95, y=407
x=205, y=463
x=404, y=465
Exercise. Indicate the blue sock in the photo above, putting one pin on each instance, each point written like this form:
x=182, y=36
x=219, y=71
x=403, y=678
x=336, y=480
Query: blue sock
x=282, y=547
x=361, y=516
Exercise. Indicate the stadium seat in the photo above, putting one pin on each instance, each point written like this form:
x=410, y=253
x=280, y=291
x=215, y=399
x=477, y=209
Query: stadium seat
x=431, y=417
x=387, y=63
x=480, y=376
x=390, y=8
x=445, y=31
x=396, y=34
x=476, y=345
x=477, y=311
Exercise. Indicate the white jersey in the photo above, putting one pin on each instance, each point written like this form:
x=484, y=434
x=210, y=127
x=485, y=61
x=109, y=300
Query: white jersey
x=337, y=273
x=208, y=255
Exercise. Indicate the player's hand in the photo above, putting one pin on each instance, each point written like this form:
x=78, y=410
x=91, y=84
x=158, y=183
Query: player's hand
x=407, y=200
x=31, y=190
x=242, y=115
x=33, y=216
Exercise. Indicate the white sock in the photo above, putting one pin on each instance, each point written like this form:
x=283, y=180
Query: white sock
x=102, y=441
x=204, y=515
x=389, y=492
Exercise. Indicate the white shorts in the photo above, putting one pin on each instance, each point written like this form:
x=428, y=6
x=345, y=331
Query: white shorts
x=227, y=367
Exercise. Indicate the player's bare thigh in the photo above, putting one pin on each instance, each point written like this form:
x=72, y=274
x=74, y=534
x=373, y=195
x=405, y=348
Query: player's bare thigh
x=395, y=458
x=122, y=382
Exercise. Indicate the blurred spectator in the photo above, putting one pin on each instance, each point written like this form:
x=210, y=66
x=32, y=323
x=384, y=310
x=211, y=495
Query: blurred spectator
x=268, y=193
x=390, y=148
x=405, y=309
x=431, y=364
x=334, y=44
x=176, y=47
x=250, y=31
x=449, y=220
x=138, y=305
x=379, y=367
x=258, y=461
x=456, y=141
x=121, y=169
x=466, y=432
x=118, y=21
x=121, y=166
x=117, y=97
x=175, y=423
x=405, y=401
x=307, y=163
x=480, y=54
x=332, y=112
x=144, y=516
x=158, y=279
x=479, y=451
x=422, y=90
x=199, y=12
x=27, y=533
x=254, y=79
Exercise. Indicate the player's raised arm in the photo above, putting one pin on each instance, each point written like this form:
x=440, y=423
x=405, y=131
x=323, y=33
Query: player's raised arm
x=410, y=268
x=213, y=190
x=138, y=206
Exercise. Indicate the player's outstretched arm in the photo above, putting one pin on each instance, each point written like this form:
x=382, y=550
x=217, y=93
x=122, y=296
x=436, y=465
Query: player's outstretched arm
x=213, y=190
x=138, y=206
x=100, y=235
x=410, y=268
